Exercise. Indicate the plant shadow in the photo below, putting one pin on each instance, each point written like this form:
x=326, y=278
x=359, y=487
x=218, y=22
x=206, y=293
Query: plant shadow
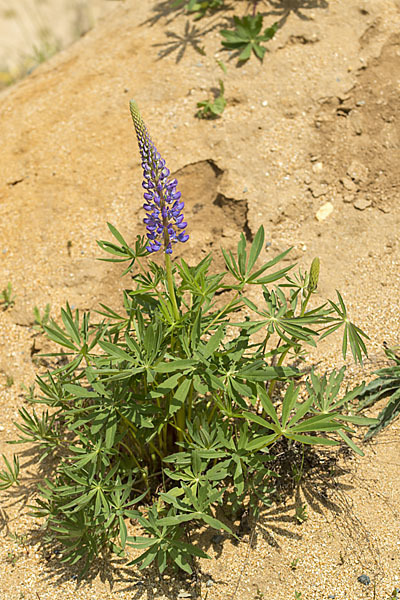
x=192, y=36
x=282, y=9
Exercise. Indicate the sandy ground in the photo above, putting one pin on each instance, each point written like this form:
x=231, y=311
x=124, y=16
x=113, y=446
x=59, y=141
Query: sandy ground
x=30, y=29
x=315, y=126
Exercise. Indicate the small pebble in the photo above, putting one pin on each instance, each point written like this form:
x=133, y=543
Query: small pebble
x=324, y=211
x=264, y=102
x=331, y=596
x=364, y=579
x=209, y=583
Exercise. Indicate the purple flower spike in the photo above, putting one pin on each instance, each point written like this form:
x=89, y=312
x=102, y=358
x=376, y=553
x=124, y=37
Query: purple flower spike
x=164, y=219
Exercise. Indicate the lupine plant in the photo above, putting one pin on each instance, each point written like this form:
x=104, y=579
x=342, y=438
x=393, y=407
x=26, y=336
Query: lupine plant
x=163, y=416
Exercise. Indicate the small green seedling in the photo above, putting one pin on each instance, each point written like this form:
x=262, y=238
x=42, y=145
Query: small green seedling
x=21, y=539
x=298, y=596
x=211, y=109
x=246, y=36
x=301, y=513
x=29, y=392
x=294, y=563
x=41, y=320
x=7, y=298
x=12, y=558
x=9, y=381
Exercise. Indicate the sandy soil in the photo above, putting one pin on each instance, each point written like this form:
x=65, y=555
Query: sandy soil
x=33, y=28
x=315, y=126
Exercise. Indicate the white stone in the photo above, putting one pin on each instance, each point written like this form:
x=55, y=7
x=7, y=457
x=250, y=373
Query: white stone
x=324, y=211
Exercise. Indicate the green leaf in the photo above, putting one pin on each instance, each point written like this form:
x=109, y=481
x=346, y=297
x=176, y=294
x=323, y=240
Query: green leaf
x=117, y=235
x=175, y=365
x=289, y=402
x=214, y=342
x=261, y=441
x=255, y=249
x=180, y=396
x=262, y=422
x=215, y=523
x=246, y=52
x=116, y=353
x=259, y=51
x=350, y=443
x=386, y=416
x=80, y=391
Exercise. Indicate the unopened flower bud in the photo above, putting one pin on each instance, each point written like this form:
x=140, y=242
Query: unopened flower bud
x=314, y=275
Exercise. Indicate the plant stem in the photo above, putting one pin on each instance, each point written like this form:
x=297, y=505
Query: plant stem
x=180, y=424
x=303, y=308
x=190, y=403
x=171, y=287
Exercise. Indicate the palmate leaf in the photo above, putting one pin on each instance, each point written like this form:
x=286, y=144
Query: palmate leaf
x=294, y=423
x=247, y=36
x=352, y=335
x=242, y=267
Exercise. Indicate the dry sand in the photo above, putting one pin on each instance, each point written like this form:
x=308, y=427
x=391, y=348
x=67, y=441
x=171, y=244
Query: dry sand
x=317, y=125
